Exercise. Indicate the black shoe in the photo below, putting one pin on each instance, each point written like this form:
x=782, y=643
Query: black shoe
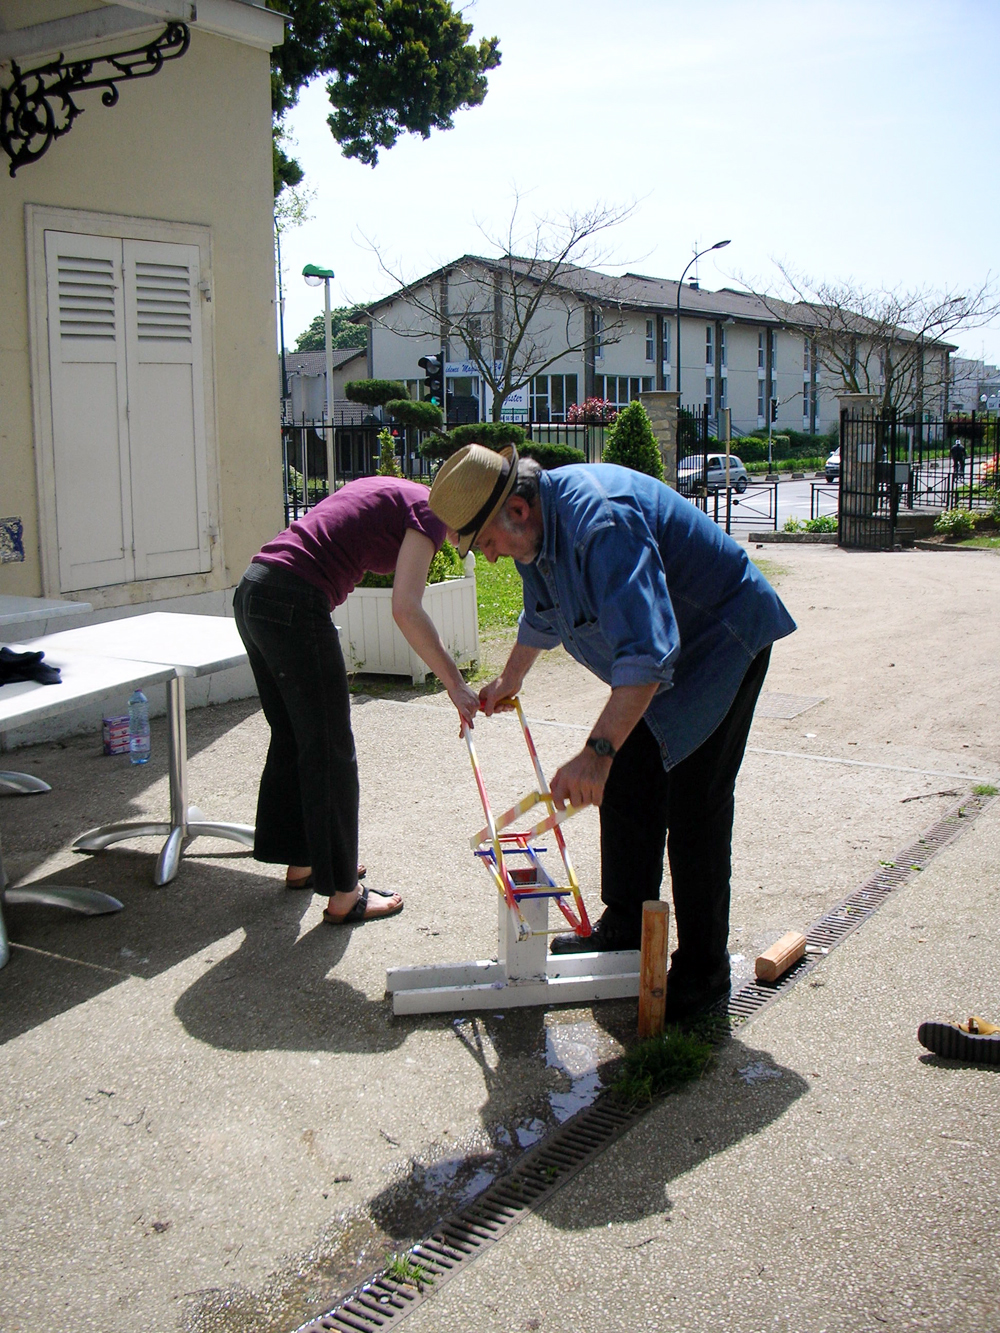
x=611, y=933
x=975, y=1041
x=688, y=1007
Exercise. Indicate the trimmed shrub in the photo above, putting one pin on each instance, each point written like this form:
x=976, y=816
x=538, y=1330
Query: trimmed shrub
x=374, y=393
x=552, y=455
x=493, y=434
x=388, y=464
x=426, y=416
x=631, y=442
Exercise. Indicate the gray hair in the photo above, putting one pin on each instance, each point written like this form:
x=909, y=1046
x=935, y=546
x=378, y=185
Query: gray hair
x=526, y=486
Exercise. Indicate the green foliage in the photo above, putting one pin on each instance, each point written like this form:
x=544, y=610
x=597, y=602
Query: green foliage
x=795, y=444
x=660, y=1064
x=374, y=392
x=408, y=412
x=984, y=789
x=791, y=525
x=493, y=434
x=342, y=332
x=446, y=564
x=388, y=463
x=823, y=523
x=499, y=593
x=631, y=442
x=399, y=66
x=552, y=455
x=955, y=523
x=401, y=1268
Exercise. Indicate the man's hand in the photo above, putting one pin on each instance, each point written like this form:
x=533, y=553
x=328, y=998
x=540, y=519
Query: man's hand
x=581, y=781
x=491, y=695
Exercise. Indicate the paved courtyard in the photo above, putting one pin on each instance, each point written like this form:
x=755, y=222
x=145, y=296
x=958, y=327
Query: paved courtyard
x=210, y=1120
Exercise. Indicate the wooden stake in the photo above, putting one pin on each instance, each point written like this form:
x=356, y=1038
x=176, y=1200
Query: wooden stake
x=775, y=962
x=653, y=967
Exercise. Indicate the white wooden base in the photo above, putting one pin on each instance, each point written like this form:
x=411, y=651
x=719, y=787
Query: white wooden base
x=523, y=974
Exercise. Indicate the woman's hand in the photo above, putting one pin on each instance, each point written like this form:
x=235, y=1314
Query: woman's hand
x=465, y=699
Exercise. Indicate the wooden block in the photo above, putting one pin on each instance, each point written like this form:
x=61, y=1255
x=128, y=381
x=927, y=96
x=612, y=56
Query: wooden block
x=775, y=962
x=653, y=967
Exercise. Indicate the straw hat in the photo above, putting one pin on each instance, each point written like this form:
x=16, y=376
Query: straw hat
x=470, y=489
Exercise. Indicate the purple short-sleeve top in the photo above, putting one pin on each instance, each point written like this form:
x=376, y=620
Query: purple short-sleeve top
x=357, y=530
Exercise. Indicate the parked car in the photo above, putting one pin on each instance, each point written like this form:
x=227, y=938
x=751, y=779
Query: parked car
x=832, y=467
x=692, y=471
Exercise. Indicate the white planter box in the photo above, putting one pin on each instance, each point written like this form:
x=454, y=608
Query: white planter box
x=372, y=641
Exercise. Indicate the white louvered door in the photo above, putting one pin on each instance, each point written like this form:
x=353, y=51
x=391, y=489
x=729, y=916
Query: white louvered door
x=128, y=409
x=93, y=488
x=166, y=409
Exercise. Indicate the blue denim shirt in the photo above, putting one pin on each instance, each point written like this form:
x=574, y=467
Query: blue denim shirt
x=640, y=586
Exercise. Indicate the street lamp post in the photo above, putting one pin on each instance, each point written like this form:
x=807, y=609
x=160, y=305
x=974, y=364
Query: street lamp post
x=719, y=245
x=314, y=275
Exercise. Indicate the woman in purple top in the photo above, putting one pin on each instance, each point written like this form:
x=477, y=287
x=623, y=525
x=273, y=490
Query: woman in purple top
x=307, y=808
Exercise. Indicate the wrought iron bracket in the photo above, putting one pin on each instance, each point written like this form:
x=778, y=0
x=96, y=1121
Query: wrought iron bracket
x=38, y=107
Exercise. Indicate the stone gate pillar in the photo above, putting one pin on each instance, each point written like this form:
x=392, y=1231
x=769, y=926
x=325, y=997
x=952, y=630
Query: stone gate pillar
x=661, y=406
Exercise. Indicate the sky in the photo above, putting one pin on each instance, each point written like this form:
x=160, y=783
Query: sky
x=852, y=141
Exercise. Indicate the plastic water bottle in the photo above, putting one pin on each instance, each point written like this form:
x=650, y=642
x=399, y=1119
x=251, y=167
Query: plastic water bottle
x=138, y=728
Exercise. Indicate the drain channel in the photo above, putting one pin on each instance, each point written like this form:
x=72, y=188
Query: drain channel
x=382, y=1301
x=834, y=927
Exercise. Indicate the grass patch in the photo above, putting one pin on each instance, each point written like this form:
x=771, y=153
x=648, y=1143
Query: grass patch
x=984, y=789
x=499, y=593
x=771, y=570
x=661, y=1064
x=401, y=1268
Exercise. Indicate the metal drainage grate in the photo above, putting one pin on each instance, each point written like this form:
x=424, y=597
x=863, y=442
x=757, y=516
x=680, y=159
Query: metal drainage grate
x=383, y=1301
x=826, y=933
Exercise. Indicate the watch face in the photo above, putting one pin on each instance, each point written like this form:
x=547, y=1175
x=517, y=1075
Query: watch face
x=602, y=747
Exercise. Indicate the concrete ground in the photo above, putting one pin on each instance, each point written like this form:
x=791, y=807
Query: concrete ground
x=209, y=1119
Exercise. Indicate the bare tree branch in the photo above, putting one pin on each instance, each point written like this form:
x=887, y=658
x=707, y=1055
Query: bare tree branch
x=891, y=343
x=523, y=306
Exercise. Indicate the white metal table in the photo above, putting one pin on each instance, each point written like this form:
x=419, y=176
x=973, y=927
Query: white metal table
x=191, y=646
x=85, y=679
x=18, y=611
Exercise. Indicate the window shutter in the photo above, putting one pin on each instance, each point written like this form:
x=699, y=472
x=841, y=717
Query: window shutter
x=86, y=334
x=166, y=409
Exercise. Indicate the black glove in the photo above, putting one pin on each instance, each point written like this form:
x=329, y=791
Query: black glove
x=26, y=666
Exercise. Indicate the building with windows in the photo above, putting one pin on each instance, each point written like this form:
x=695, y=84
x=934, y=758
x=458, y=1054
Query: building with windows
x=593, y=335
x=139, y=404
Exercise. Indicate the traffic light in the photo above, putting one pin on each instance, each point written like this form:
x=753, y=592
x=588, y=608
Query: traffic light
x=433, y=368
x=774, y=409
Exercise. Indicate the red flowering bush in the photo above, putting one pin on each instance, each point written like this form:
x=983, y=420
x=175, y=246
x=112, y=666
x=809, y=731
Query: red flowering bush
x=592, y=411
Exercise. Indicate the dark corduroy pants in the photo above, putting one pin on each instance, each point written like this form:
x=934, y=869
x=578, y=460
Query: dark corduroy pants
x=690, y=809
x=307, y=806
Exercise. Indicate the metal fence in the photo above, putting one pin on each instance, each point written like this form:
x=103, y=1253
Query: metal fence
x=314, y=451
x=890, y=461
x=589, y=438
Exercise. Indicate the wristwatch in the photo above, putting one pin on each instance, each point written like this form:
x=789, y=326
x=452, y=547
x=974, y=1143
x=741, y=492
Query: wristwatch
x=602, y=747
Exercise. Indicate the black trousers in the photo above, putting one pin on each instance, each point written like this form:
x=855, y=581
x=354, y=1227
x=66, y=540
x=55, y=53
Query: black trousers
x=307, y=806
x=690, y=808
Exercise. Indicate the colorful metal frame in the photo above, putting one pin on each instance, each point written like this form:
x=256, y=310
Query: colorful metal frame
x=493, y=846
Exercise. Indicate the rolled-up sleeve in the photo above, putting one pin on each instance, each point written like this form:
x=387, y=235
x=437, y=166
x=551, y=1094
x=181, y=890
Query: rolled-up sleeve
x=624, y=581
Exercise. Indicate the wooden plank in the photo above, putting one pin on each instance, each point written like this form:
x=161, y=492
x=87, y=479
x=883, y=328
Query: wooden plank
x=775, y=962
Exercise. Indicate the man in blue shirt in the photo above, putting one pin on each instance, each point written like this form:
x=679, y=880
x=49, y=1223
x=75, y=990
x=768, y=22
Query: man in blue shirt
x=648, y=593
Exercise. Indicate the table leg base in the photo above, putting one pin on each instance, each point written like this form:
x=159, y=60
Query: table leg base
x=205, y=828
x=21, y=784
x=98, y=838
x=87, y=901
x=168, y=862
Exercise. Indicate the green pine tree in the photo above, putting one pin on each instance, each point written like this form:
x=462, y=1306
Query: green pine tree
x=631, y=442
